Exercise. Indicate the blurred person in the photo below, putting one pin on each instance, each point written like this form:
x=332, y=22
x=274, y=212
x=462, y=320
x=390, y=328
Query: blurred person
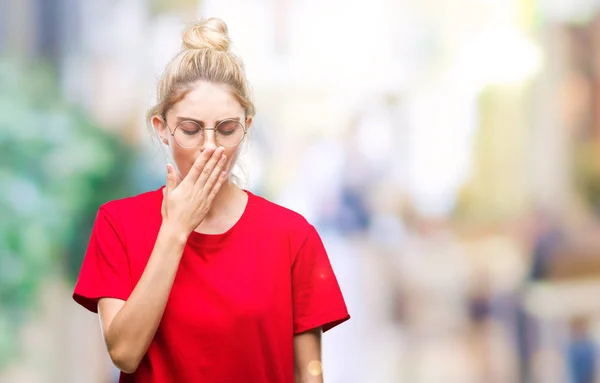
x=547, y=235
x=201, y=280
x=581, y=352
x=432, y=268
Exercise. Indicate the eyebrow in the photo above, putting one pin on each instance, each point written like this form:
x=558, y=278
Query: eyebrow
x=201, y=123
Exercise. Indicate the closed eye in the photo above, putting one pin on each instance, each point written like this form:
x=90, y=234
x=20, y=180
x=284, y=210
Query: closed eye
x=191, y=132
x=226, y=132
x=189, y=128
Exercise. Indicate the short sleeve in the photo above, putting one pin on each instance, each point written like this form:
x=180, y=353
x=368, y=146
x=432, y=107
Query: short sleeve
x=318, y=300
x=105, y=269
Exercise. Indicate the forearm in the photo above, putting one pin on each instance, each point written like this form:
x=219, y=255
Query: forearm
x=133, y=328
x=308, y=378
x=307, y=357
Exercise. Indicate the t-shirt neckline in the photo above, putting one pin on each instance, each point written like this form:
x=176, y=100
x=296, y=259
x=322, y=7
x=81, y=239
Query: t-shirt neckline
x=204, y=239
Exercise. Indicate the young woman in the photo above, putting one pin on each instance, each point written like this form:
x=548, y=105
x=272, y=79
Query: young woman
x=201, y=281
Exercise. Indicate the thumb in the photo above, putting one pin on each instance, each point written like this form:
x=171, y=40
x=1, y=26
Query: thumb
x=171, y=179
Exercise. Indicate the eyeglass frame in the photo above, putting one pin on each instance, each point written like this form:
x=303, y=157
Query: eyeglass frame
x=214, y=129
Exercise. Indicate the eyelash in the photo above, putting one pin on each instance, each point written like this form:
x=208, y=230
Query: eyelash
x=192, y=132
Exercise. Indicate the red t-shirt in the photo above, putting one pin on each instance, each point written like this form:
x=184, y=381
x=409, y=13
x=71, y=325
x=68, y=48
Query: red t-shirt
x=238, y=297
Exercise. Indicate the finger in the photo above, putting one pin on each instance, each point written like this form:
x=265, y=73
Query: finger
x=198, y=165
x=216, y=187
x=208, y=168
x=171, y=183
x=214, y=176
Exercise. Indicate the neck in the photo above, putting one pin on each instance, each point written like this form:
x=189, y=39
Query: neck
x=224, y=200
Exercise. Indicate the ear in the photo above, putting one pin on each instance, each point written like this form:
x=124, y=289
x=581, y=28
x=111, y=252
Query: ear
x=161, y=128
x=248, y=123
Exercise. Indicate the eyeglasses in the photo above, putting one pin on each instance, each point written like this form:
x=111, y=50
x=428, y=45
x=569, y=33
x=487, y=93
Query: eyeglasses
x=189, y=134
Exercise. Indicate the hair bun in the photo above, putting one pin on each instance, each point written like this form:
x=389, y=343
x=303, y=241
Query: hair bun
x=207, y=34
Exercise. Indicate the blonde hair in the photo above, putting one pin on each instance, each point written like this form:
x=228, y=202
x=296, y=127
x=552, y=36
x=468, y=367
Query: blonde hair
x=205, y=56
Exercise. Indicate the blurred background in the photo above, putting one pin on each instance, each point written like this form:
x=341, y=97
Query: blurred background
x=448, y=152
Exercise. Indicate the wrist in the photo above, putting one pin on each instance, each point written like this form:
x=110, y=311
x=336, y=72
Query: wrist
x=174, y=233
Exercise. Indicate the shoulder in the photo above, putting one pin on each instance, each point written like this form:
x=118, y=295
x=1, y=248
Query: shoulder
x=280, y=218
x=134, y=215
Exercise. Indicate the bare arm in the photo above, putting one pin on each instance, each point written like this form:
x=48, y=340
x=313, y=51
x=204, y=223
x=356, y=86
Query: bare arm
x=129, y=326
x=307, y=357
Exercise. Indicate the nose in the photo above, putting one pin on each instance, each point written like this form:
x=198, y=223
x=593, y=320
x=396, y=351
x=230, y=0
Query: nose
x=209, y=140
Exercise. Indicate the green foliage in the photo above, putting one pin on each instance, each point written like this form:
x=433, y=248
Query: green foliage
x=56, y=168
